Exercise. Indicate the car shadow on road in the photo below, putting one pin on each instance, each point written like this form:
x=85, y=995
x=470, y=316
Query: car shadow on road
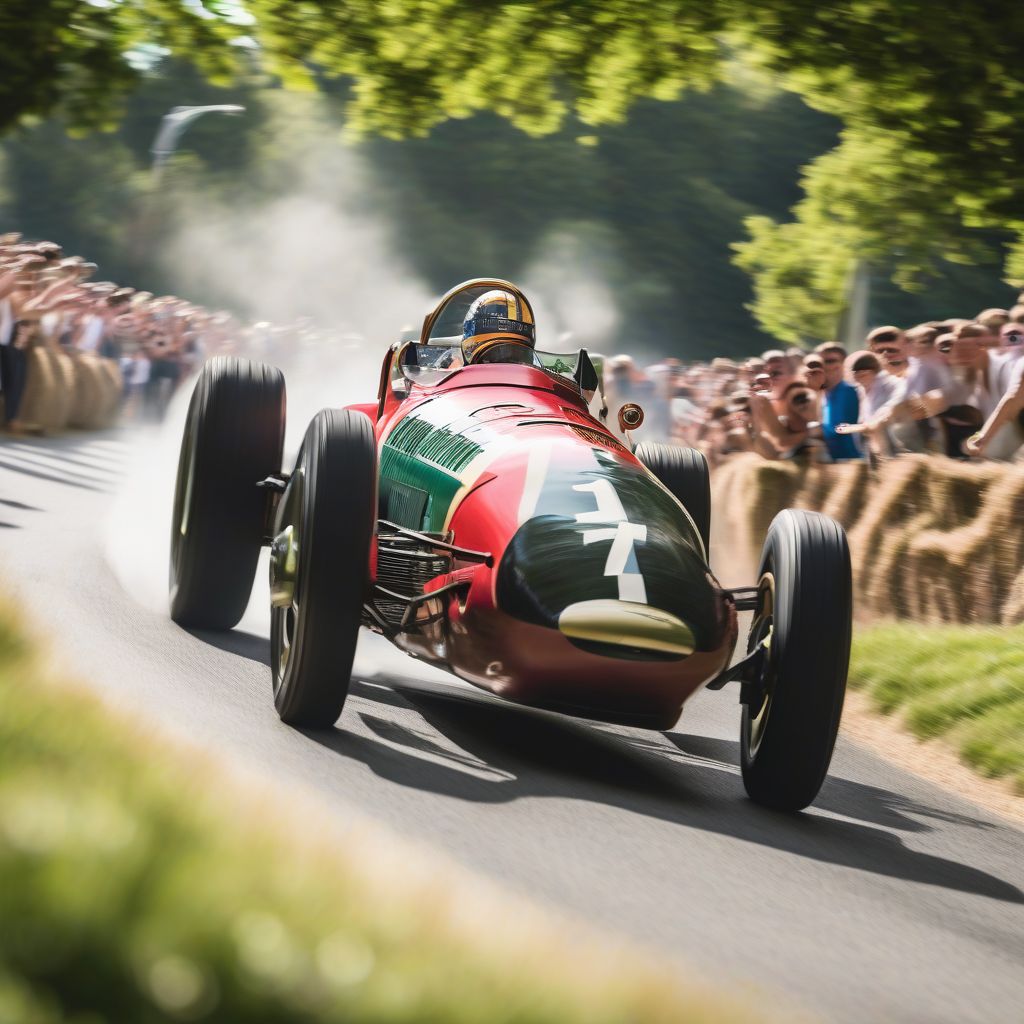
x=839, y=796
x=505, y=753
x=54, y=477
x=236, y=641
x=71, y=459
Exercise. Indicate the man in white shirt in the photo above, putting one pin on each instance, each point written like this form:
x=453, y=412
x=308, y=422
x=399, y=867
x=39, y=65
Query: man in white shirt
x=906, y=411
x=999, y=394
x=92, y=330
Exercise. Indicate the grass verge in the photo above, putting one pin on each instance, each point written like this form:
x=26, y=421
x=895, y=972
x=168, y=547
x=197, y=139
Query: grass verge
x=139, y=885
x=963, y=683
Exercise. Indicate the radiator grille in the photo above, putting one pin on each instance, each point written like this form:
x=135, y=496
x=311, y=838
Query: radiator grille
x=405, y=569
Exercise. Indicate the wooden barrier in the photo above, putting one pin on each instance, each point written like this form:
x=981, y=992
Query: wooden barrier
x=931, y=539
x=61, y=391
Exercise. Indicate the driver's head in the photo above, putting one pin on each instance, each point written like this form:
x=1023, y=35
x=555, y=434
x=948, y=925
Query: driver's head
x=498, y=329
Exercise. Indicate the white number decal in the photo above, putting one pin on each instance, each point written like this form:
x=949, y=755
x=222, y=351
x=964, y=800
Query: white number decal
x=623, y=535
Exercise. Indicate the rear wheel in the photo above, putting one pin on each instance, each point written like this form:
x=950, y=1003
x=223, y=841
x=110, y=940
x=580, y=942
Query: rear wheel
x=804, y=613
x=684, y=471
x=319, y=567
x=234, y=436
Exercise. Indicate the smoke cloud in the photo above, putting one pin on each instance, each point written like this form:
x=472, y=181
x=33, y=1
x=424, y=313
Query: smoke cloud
x=320, y=252
x=317, y=254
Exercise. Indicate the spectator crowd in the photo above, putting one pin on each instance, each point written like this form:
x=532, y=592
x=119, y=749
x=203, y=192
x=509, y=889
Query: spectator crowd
x=81, y=353
x=953, y=387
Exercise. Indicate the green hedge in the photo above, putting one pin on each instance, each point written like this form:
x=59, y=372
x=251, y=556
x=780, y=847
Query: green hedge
x=962, y=682
x=136, y=886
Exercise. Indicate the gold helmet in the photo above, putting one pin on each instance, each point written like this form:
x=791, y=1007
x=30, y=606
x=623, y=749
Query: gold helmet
x=498, y=329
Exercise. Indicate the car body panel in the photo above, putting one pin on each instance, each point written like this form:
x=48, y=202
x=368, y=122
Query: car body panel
x=596, y=598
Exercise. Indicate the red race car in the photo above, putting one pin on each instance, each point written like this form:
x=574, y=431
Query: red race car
x=480, y=517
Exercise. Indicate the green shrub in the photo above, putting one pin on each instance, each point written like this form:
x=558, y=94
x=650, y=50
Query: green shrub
x=136, y=887
x=962, y=682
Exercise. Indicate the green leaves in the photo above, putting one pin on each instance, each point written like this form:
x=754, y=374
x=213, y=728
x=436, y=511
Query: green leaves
x=930, y=95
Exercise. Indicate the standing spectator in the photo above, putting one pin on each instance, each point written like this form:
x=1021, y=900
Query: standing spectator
x=686, y=415
x=875, y=389
x=988, y=376
x=1006, y=418
x=993, y=319
x=840, y=404
x=1011, y=340
x=924, y=382
x=813, y=372
x=780, y=374
x=793, y=432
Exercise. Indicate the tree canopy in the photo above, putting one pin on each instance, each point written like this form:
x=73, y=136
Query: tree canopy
x=930, y=95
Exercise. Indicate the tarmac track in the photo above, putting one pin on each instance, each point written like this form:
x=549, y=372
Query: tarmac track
x=890, y=900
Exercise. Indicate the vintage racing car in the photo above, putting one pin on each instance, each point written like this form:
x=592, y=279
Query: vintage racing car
x=483, y=519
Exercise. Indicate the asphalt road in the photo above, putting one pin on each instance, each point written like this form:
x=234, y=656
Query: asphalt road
x=891, y=900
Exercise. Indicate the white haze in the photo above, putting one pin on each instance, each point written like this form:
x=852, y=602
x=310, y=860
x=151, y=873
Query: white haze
x=315, y=253
x=568, y=284
x=319, y=252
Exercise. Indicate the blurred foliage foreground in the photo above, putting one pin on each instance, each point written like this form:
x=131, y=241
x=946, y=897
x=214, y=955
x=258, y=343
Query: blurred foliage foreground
x=134, y=888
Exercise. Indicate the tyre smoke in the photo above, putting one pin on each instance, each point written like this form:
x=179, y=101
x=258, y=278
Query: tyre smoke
x=322, y=270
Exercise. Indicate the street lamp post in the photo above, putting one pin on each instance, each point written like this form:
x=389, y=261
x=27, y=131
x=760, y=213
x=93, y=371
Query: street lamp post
x=174, y=125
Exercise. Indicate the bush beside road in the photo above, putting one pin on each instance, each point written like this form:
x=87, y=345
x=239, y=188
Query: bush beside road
x=962, y=683
x=136, y=886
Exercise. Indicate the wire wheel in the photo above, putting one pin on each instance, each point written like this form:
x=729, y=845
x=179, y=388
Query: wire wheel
x=761, y=629
x=233, y=438
x=283, y=577
x=803, y=617
x=319, y=567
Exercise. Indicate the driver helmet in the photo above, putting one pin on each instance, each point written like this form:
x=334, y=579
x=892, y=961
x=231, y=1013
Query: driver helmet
x=498, y=329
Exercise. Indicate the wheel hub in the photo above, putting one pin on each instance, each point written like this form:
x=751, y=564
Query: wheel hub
x=762, y=630
x=284, y=561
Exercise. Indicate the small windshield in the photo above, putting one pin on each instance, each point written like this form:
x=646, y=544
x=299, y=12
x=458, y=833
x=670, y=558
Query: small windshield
x=425, y=365
x=439, y=352
x=447, y=326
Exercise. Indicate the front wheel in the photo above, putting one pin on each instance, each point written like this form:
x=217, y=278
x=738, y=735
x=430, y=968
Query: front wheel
x=804, y=618
x=684, y=471
x=233, y=439
x=319, y=562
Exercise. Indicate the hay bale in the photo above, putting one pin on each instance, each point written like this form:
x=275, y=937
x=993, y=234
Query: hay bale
x=930, y=538
x=87, y=394
x=967, y=573
x=40, y=389
x=111, y=388
x=1013, y=609
x=846, y=498
x=816, y=480
x=63, y=397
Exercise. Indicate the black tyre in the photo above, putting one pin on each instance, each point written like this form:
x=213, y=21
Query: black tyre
x=805, y=604
x=319, y=567
x=234, y=436
x=684, y=471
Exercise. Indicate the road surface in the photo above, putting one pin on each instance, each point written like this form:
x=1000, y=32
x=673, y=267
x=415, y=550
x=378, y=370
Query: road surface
x=891, y=900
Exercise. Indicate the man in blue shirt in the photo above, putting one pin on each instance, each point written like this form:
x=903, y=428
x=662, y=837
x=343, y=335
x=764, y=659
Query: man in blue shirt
x=840, y=404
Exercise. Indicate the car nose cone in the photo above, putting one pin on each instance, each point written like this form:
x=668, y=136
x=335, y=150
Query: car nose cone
x=628, y=625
